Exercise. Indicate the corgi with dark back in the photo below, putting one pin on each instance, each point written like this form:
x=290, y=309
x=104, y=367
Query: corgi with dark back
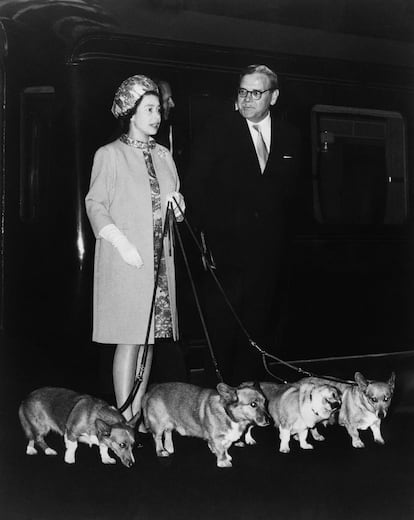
x=78, y=418
x=218, y=416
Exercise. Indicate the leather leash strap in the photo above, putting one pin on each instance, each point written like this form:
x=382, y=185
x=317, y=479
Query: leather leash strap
x=264, y=353
x=138, y=380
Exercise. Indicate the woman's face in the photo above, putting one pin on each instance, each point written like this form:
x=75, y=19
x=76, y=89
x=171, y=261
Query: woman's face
x=147, y=118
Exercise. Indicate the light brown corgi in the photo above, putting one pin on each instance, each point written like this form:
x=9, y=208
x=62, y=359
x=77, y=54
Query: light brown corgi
x=297, y=408
x=364, y=405
x=219, y=416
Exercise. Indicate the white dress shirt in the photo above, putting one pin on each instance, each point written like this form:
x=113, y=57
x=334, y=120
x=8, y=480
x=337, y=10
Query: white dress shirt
x=265, y=129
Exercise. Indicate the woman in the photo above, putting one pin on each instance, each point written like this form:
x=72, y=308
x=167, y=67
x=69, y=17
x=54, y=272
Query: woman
x=132, y=181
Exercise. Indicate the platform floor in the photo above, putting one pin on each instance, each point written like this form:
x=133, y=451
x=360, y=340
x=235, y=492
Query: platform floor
x=332, y=482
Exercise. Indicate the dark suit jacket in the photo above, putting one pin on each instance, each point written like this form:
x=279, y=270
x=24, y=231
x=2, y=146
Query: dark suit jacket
x=246, y=214
x=163, y=134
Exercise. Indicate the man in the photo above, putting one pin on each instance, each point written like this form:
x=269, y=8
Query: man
x=164, y=135
x=170, y=133
x=239, y=193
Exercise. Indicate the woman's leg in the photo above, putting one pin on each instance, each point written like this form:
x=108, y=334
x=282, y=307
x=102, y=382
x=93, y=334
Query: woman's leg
x=126, y=365
x=136, y=403
x=123, y=370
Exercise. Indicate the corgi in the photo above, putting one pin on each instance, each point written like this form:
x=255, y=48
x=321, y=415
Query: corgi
x=218, y=416
x=76, y=417
x=364, y=405
x=297, y=407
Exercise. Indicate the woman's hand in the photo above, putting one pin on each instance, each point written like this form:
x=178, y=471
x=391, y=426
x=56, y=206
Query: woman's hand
x=175, y=198
x=128, y=251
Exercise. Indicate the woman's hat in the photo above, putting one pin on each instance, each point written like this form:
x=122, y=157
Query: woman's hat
x=129, y=92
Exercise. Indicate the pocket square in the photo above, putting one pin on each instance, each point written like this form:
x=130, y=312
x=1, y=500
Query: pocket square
x=287, y=157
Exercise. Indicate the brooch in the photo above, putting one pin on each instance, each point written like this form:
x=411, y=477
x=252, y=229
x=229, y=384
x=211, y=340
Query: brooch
x=162, y=151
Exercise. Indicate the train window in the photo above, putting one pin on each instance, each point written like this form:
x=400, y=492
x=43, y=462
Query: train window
x=35, y=136
x=358, y=166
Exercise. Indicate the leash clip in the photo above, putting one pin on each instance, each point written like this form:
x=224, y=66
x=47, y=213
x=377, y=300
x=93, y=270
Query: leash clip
x=206, y=255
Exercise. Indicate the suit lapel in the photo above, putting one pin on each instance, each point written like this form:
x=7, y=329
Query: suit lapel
x=274, y=144
x=249, y=154
x=246, y=143
x=280, y=145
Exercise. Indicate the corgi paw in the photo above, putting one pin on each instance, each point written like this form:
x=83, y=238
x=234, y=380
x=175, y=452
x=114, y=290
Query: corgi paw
x=306, y=446
x=284, y=449
x=109, y=460
x=163, y=453
x=50, y=451
x=224, y=463
x=379, y=440
x=142, y=428
x=30, y=450
x=316, y=435
x=69, y=459
x=358, y=444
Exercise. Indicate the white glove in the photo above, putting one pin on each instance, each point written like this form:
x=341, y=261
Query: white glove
x=180, y=200
x=127, y=250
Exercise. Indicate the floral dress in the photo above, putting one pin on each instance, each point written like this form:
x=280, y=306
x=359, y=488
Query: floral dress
x=162, y=309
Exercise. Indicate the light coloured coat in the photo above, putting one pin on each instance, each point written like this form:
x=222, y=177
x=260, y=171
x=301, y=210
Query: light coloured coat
x=120, y=194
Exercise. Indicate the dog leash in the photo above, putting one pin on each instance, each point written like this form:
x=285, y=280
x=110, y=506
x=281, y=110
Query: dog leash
x=200, y=312
x=138, y=380
x=263, y=353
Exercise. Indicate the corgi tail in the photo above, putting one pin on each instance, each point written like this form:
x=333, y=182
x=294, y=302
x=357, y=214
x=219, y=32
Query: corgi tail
x=143, y=426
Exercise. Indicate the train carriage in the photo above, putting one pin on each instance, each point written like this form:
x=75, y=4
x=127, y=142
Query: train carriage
x=351, y=267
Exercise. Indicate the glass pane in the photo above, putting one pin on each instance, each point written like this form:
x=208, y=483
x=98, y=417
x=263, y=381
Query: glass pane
x=358, y=166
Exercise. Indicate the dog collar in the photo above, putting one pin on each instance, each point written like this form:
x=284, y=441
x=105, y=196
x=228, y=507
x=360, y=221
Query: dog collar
x=316, y=413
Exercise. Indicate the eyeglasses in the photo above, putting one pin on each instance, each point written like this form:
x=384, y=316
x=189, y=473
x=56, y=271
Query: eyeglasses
x=256, y=94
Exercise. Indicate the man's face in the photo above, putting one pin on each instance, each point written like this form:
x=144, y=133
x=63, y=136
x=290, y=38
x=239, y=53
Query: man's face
x=167, y=100
x=256, y=109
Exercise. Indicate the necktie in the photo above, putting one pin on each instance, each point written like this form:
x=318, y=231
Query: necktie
x=261, y=149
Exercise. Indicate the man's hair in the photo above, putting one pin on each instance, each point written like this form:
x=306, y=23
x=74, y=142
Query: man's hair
x=163, y=83
x=262, y=69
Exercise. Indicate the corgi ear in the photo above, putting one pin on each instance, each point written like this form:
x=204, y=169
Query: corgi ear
x=228, y=393
x=391, y=381
x=256, y=386
x=250, y=384
x=103, y=428
x=361, y=381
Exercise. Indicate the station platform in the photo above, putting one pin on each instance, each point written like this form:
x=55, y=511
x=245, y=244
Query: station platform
x=332, y=482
